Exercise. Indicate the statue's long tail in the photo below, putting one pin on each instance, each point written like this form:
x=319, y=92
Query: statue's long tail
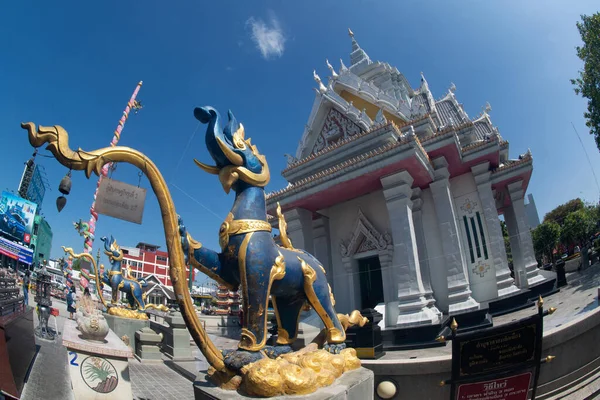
x=58, y=143
x=69, y=251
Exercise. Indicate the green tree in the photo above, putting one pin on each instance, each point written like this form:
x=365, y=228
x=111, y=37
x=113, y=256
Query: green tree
x=559, y=214
x=545, y=237
x=578, y=227
x=588, y=82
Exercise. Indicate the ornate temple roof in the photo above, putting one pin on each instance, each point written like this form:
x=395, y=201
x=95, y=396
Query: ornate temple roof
x=369, y=110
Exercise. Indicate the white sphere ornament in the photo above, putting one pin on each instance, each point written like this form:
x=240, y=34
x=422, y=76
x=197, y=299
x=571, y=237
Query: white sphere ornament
x=386, y=390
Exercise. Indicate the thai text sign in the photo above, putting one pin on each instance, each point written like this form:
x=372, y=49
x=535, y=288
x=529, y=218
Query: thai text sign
x=493, y=352
x=497, y=363
x=120, y=200
x=514, y=387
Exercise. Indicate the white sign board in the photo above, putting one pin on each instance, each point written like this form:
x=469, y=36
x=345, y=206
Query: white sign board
x=121, y=200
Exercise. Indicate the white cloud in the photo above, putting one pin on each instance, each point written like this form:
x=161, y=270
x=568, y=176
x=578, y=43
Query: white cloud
x=268, y=37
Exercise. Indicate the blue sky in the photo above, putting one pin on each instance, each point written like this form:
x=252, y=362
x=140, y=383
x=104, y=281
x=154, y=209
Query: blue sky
x=76, y=65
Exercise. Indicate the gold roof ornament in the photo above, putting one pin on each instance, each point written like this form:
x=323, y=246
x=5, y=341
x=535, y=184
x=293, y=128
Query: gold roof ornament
x=350, y=33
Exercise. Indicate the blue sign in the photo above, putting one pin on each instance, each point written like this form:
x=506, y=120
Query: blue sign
x=17, y=216
x=16, y=251
x=36, y=189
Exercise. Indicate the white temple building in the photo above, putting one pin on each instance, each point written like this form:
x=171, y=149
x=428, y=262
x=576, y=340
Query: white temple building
x=399, y=195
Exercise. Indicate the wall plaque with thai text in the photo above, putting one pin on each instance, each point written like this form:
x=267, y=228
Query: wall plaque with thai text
x=120, y=200
x=493, y=352
x=497, y=363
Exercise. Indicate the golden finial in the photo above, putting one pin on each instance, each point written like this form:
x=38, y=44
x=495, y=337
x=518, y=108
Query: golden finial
x=441, y=339
x=350, y=33
x=540, y=302
x=550, y=358
x=442, y=383
x=551, y=310
x=454, y=325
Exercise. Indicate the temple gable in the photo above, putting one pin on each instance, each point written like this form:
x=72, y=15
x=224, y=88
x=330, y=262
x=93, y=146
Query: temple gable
x=335, y=128
x=365, y=237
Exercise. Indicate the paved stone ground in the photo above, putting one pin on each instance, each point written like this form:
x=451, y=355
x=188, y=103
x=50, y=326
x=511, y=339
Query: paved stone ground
x=154, y=381
x=49, y=377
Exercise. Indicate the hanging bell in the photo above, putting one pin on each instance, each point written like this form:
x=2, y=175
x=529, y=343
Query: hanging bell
x=65, y=184
x=61, y=202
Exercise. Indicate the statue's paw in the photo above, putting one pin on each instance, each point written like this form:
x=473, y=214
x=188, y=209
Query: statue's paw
x=334, y=348
x=236, y=359
x=277, y=350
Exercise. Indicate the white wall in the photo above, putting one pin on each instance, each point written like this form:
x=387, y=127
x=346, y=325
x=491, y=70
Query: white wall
x=483, y=286
x=342, y=218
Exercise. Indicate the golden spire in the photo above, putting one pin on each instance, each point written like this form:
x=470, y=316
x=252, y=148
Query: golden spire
x=350, y=33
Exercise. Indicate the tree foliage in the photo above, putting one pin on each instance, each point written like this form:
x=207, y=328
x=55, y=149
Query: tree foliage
x=579, y=226
x=559, y=214
x=588, y=82
x=545, y=237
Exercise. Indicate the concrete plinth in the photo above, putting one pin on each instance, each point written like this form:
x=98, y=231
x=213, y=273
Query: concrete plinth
x=147, y=345
x=353, y=385
x=86, y=357
x=176, y=342
x=126, y=327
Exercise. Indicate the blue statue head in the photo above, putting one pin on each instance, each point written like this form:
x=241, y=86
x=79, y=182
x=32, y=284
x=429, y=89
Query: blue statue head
x=235, y=156
x=112, y=249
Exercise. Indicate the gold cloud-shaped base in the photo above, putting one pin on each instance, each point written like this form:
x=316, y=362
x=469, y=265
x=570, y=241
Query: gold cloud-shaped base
x=127, y=313
x=301, y=372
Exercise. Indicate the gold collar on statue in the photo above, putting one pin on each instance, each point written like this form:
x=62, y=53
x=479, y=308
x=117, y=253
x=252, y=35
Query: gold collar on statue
x=232, y=227
x=111, y=273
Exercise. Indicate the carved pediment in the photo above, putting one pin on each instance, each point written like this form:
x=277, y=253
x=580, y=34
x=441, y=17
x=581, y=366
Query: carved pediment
x=336, y=127
x=365, y=237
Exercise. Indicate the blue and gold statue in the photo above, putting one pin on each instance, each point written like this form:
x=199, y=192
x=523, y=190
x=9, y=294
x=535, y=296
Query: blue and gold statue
x=249, y=256
x=249, y=259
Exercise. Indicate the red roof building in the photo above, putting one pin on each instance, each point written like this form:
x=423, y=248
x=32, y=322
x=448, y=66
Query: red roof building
x=145, y=259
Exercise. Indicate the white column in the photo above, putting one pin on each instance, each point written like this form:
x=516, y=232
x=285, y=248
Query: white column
x=322, y=249
x=505, y=283
x=351, y=289
x=459, y=294
x=410, y=308
x=300, y=228
x=520, y=237
x=422, y=249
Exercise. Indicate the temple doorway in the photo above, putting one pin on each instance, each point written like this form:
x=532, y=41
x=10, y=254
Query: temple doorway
x=371, y=282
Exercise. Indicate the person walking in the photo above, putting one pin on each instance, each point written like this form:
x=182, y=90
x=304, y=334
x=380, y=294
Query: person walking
x=71, y=301
x=26, y=281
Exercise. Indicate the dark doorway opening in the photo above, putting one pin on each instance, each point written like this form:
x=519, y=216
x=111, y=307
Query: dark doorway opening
x=371, y=282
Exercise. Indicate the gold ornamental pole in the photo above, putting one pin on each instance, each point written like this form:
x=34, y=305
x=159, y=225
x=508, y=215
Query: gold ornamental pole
x=57, y=140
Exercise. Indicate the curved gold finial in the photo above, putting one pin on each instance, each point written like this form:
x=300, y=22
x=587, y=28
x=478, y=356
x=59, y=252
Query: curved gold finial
x=350, y=33
x=89, y=257
x=551, y=310
x=454, y=325
x=57, y=142
x=550, y=358
x=285, y=240
x=231, y=155
x=208, y=168
x=441, y=339
x=540, y=302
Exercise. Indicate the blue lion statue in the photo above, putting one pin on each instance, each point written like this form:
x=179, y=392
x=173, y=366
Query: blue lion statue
x=251, y=260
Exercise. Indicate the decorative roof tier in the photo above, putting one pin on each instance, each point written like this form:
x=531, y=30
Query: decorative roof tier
x=368, y=119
